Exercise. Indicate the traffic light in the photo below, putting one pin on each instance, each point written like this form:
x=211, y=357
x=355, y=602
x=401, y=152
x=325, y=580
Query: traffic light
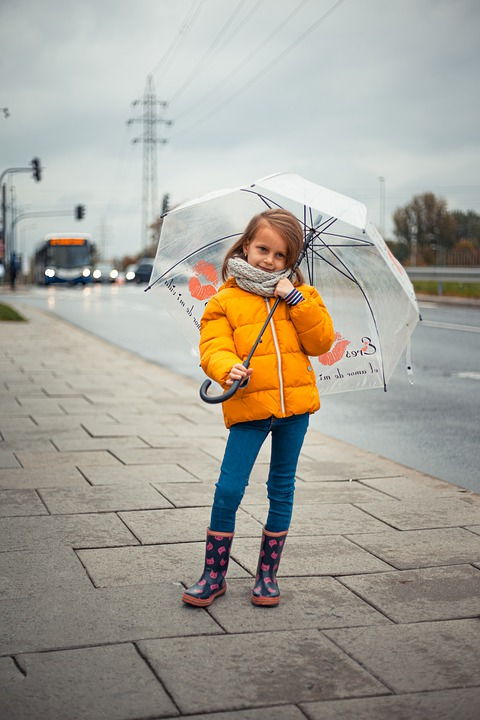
x=36, y=169
x=79, y=212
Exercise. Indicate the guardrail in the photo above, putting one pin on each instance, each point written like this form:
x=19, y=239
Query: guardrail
x=444, y=273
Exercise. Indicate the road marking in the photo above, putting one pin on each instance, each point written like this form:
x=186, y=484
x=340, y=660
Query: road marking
x=469, y=375
x=450, y=326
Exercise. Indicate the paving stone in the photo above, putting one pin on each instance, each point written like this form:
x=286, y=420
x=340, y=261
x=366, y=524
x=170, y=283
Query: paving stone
x=201, y=493
x=27, y=443
x=25, y=390
x=412, y=515
x=351, y=491
x=417, y=595
x=94, y=457
x=22, y=479
x=69, y=422
x=474, y=529
x=245, y=677
x=78, y=531
x=64, y=443
x=15, y=424
x=312, y=556
x=330, y=470
x=74, y=405
x=306, y=602
x=116, y=430
x=43, y=406
x=181, y=525
x=102, y=498
x=279, y=712
x=181, y=562
x=403, y=487
x=192, y=432
x=416, y=657
x=153, y=456
x=461, y=704
x=422, y=548
x=8, y=459
x=57, y=618
x=362, y=463
x=324, y=519
x=21, y=502
x=31, y=572
x=107, y=683
x=141, y=474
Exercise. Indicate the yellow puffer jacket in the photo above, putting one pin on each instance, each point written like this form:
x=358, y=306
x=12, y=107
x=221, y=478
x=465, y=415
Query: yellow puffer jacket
x=283, y=381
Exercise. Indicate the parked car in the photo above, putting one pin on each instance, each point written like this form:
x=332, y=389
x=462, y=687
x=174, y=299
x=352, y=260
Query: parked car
x=143, y=270
x=130, y=273
x=104, y=273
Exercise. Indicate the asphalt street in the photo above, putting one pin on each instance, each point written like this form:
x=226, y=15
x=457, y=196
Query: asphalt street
x=430, y=425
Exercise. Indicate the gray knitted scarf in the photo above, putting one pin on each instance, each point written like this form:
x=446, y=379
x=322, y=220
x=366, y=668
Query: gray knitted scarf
x=253, y=279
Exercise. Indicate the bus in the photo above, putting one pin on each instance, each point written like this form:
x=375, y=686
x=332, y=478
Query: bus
x=64, y=258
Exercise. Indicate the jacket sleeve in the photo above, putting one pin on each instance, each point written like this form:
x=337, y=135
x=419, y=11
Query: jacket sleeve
x=313, y=323
x=218, y=353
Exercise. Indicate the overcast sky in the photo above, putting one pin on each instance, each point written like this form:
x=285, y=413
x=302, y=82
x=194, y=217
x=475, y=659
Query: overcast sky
x=376, y=88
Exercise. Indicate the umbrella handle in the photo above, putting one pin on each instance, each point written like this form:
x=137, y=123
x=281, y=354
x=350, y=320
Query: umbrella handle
x=213, y=399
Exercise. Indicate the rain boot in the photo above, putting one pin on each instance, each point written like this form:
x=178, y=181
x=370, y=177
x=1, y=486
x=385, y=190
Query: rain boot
x=266, y=590
x=212, y=583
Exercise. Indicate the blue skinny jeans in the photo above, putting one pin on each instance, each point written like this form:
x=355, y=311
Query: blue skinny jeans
x=243, y=445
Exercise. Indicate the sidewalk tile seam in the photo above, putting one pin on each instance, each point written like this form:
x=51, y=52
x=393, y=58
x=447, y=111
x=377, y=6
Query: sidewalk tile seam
x=390, y=691
x=156, y=676
x=86, y=569
x=117, y=514
x=375, y=517
x=337, y=578
x=19, y=666
x=369, y=552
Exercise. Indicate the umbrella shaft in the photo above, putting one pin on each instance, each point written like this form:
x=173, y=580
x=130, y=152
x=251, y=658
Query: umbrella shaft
x=257, y=342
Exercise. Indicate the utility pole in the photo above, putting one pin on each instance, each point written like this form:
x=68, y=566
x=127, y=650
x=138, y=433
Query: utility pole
x=381, y=180
x=149, y=119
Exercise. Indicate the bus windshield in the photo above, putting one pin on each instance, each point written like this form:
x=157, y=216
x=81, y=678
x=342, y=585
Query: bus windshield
x=68, y=256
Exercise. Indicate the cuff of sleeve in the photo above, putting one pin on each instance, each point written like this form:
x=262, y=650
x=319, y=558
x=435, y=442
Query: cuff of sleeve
x=294, y=297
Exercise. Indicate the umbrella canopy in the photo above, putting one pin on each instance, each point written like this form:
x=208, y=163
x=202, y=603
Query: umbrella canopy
x=367, y=291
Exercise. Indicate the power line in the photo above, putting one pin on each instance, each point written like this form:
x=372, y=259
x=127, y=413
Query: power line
x=242, y=22
x=265, y=69
x=187, y=22
x=246, y=60
x=209, y=51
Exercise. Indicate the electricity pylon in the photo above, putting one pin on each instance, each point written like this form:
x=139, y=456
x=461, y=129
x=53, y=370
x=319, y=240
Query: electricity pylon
x=149, y=119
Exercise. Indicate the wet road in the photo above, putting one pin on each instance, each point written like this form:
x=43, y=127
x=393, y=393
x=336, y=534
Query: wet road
x=432, y=425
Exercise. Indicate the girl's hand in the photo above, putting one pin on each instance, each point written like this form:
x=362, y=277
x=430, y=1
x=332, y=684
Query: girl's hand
x=238, y=372
x=284, y=286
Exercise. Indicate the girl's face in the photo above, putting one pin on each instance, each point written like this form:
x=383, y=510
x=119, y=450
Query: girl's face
x=267, y=250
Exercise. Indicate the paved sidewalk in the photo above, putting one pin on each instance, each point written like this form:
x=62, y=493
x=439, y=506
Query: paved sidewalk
x=107, y=464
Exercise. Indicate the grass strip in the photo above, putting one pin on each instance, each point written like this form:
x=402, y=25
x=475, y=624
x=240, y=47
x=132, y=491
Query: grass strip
x=8, y=314
x=452, y=289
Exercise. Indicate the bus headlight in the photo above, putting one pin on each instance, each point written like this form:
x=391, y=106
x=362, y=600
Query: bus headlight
x=49, y=272
x=96, y=274
x=114, y=274
x=86, y=272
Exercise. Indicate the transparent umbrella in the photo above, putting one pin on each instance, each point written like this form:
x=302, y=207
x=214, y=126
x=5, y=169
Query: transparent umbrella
x=367, y=291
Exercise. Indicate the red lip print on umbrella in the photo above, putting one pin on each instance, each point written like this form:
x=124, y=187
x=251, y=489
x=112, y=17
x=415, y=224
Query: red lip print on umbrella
x=345, y=258
x=203, y=269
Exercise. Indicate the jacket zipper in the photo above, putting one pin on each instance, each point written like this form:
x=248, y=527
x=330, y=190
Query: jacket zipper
x=279, y=358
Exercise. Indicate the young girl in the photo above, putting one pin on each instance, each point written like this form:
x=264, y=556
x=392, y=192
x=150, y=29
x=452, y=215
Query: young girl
x=277, y=394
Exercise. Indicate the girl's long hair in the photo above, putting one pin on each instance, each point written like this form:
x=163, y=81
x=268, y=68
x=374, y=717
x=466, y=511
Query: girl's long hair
x=286, y=225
